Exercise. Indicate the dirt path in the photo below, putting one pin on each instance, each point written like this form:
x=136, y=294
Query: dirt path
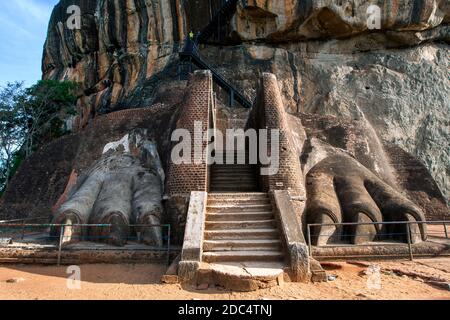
x=142, y=282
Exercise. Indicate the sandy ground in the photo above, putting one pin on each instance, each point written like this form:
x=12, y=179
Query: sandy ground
x=421, y=279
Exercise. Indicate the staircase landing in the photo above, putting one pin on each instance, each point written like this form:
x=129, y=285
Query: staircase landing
x=242, y=248
x=242, y=276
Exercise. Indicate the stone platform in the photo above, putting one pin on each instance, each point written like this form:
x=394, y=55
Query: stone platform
x=39, y=251
x=242, y=276
x=434, y=247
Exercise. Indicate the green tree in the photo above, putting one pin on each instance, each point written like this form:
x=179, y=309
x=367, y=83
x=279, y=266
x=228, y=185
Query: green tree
x=48, y=104
x=30, y=118
x=12, y=130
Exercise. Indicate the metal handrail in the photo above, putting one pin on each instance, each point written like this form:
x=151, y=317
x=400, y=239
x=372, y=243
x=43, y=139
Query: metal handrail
x=63, y=226
x=372, y=223
x=408, y=229
x=23, y=219
x=191, y=51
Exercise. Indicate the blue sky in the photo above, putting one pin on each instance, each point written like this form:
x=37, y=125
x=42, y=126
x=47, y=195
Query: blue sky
x=23, y=28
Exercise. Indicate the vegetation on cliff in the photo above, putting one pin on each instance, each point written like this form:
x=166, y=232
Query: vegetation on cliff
x=31, y=117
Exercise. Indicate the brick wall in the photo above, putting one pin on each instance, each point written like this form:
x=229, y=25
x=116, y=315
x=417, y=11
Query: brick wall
x=182, y=179
x=42, y=179
x=198, y=100
x=269, y=113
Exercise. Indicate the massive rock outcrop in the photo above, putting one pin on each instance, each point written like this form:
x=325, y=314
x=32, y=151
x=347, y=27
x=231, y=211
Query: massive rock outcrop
x=293, y=20
x=370, y=107
x=326, y=59
x=114, y=171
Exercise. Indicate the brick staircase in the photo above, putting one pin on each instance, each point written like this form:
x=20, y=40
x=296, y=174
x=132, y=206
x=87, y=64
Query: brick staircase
x=241, y=227
x=234, y=177
x=240, y=220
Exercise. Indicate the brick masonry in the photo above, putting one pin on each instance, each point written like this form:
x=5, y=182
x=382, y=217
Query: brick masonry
x=43, y=178
x=269, y=113
x=198, y=101
x=182, y=179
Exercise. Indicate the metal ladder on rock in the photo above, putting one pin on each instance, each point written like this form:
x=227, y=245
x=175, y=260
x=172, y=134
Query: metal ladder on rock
x=190, y=56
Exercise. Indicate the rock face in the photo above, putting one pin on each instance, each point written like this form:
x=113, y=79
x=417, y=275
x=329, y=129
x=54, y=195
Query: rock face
x=326, y=60
x=122, y=49
x=124, y=187
x=404, y=93
x=52, y=181
x=291, y=20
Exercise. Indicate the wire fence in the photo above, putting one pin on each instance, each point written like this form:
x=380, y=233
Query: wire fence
x=342, y=234
x=17, y=227
x=67, y=236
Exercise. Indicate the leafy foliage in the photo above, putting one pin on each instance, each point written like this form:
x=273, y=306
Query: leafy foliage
x=30, y=118
x=49, y=103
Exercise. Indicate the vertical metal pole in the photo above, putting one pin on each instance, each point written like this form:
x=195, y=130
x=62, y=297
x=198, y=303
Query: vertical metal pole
x=168, y=244
x=445, y=230
x=61, y=235
x=408, y=233
x=218, y=30
x=23, y=229
x=231, y=98
x=309, y=240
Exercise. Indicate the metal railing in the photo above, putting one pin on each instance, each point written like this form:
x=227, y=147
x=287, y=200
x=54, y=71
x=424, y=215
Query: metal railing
x=23, y=223
x=79, y=232
x=381, y=235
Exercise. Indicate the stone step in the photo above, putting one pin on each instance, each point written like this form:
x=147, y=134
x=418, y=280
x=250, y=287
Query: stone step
x=224, y=178
x=228, y=181
x=236, y=182
x=239, y=208
x=241, y=163
x=239, y=216
x=237, y=177
x=224, y=151
x=228, y=245
x=238, y=195
x=223, y=225
x=242, y=276
x=233, y=172
x=225, y=157
x=236, y=185
x=235, y=256
x=242, y=234
x=231, y=200
x=233, y=166
x=233, y=189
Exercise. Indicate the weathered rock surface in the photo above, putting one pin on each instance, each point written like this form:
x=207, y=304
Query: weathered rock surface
x=122, y=51
x=325, y=58
x=348, y=176
x=124, y=187
x=344, y=165
x=403, y=94
x=289, y=20
x=364, y=100
x=50, y=177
